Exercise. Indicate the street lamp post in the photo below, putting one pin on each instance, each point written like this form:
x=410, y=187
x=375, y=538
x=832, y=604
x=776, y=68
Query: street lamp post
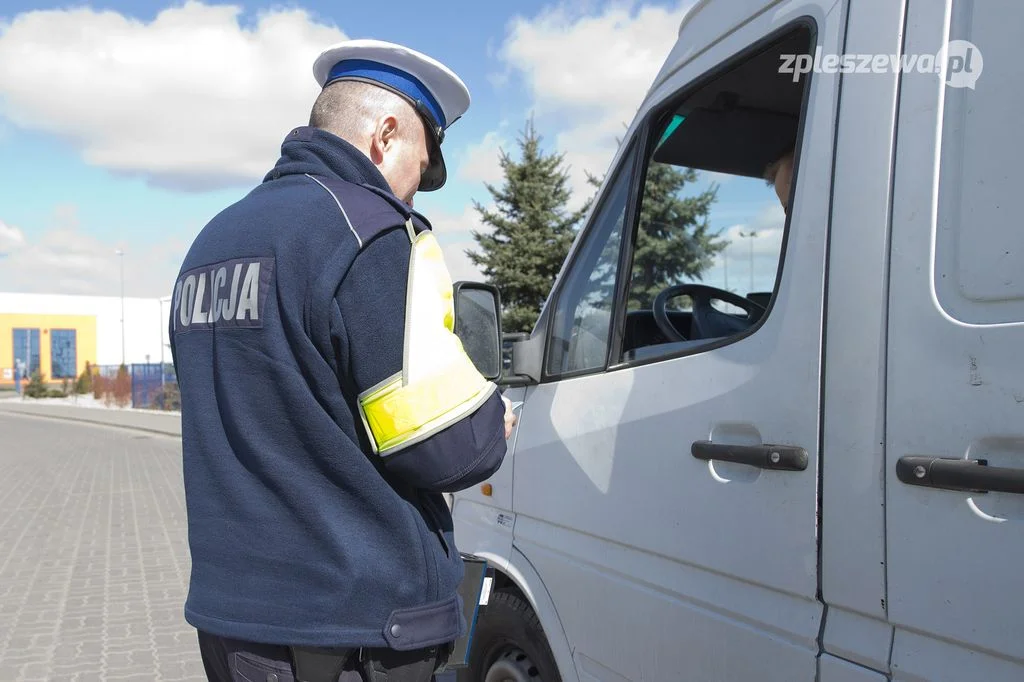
x=725, y=263
x=751, y=234
x=163, y=327
x=120, y=254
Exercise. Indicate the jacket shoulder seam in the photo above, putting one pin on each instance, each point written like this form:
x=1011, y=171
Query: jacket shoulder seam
x=341, y=208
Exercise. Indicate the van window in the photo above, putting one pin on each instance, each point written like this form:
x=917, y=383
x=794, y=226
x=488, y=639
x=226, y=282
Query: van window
x=979, y=246
x=707, y=252
x=583, y=313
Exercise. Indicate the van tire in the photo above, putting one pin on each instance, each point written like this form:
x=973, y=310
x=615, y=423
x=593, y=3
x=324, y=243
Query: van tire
x=509, y=644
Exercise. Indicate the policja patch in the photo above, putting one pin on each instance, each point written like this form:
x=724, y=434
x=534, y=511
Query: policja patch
x=226, y=294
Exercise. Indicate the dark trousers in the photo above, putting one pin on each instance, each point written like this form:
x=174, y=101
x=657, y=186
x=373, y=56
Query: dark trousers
x=231, y=660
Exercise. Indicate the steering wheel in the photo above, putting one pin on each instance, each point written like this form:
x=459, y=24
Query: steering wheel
x=707, y=322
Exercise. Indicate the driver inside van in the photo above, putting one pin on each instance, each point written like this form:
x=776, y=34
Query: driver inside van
x=779, y=173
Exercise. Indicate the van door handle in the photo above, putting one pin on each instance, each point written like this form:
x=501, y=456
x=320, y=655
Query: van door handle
x=777, y=457
x=969, y=475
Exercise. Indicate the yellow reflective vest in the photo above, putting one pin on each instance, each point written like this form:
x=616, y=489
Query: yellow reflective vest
x=438, y=384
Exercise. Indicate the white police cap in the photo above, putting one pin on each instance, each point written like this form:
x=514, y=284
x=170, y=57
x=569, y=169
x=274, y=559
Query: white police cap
x=434, y=90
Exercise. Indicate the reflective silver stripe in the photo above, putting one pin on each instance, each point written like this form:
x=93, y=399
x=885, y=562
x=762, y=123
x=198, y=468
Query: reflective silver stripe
x=406, y=341
x=362, y=412
x=340, y=207
x=369, y=431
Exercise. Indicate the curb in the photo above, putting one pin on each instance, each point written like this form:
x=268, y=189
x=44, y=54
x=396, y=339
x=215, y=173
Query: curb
x=83, y=417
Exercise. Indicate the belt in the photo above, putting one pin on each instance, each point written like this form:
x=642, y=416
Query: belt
x=379, y=665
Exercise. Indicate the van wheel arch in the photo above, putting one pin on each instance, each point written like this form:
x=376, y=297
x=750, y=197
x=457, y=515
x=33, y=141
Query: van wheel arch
x=509, y=644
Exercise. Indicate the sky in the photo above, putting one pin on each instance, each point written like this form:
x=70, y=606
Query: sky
x=126, y=126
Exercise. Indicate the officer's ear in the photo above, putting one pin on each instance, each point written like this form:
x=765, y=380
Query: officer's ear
x=385, y=134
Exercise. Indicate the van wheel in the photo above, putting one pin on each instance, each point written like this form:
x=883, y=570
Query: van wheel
x=509, y=645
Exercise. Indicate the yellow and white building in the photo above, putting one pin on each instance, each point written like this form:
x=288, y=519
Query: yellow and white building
x=58, y=334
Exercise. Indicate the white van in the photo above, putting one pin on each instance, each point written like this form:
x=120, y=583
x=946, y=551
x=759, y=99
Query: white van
x=819, y=478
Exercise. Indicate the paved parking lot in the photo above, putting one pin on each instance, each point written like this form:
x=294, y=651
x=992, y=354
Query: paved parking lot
x=93, y=556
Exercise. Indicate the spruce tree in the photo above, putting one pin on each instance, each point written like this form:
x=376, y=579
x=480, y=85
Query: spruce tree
x=674, y=243
x=84, y=383
x=531, y=230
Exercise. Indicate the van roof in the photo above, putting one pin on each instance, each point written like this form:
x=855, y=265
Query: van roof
x=705, y=24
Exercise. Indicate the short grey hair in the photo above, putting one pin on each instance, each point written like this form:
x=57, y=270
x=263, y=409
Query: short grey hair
x=349, y=108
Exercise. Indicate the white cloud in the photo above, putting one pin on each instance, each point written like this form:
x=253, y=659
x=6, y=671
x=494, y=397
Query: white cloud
x=767, y=226
x=599, y=63
x=450, y=226
x=591, y=71
x=481, y=161
x=588, y=149
x=66, y=260
x=455, y=234
x=770, y=217
x=192, y=99
x=750, y=263
x=11, y=239
x=459, y=265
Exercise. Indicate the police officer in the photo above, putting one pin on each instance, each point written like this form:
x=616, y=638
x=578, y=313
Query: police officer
x=326, y=403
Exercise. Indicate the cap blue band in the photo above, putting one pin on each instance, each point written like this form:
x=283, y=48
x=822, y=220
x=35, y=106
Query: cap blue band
x=395, y=78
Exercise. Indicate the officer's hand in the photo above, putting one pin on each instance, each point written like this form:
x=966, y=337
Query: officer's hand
x=510, y=417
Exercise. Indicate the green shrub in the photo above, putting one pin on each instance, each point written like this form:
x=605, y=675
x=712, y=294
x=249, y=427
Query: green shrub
x=36, y=386
x=84, y=383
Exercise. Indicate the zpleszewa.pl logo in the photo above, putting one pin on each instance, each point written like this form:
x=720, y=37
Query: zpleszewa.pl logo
x=959, y=62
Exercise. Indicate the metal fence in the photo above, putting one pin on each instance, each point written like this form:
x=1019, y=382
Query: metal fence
x=154, y=386
x=147, y=384
x=105, y=371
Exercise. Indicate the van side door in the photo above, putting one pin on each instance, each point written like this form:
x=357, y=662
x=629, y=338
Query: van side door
x=955, y=412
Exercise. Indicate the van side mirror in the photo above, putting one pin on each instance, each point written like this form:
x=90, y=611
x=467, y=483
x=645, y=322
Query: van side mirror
x=478, y=325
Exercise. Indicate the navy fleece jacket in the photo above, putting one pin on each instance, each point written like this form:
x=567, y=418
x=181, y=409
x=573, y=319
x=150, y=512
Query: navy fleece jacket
x=291, y=302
